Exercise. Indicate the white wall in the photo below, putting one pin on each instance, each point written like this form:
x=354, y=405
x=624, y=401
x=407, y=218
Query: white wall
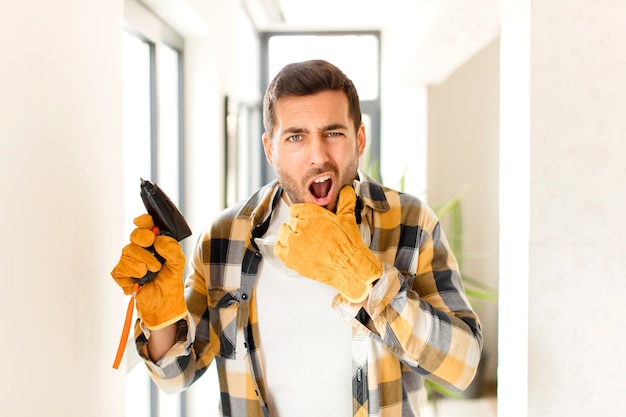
x=563, y=152
x=221, y=59
x=61, y=212
x=463, y=136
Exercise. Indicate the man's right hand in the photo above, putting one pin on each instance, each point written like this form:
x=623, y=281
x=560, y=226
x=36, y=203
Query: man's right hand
x=160, y=302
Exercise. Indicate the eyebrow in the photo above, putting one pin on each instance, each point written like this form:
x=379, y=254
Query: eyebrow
x=332, y=126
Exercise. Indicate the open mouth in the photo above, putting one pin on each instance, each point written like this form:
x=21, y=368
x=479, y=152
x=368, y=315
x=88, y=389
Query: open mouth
x=321, y=186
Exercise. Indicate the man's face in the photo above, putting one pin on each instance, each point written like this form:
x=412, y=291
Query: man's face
x=314, y=149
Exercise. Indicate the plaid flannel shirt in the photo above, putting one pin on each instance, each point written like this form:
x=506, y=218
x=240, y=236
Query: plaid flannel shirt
x=418, y=322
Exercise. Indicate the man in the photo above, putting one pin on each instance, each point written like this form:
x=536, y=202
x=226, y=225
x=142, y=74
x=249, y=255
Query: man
x=324, y=293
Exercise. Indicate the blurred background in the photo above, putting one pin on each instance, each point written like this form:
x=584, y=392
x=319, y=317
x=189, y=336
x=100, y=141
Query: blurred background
x=510, y=110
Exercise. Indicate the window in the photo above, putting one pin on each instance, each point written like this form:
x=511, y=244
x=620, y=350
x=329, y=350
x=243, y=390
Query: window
x=153, y=144
x=355, y=53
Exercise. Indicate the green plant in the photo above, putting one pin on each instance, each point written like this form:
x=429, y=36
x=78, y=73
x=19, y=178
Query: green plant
x=449, y=213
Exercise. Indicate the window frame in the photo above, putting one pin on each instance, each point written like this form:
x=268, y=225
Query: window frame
x=149, y=28
x=369, y=107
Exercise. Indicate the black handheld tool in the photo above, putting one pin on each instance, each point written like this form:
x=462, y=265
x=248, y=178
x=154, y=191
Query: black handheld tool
x=168, y=220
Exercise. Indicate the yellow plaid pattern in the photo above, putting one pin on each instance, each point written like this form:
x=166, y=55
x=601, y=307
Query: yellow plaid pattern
x=418, y=322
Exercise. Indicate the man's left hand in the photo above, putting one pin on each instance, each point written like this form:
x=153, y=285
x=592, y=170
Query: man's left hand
x=327, y=247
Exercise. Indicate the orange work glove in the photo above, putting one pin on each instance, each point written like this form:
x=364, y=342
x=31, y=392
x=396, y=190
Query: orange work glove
x=160, y=302
x=327, y=247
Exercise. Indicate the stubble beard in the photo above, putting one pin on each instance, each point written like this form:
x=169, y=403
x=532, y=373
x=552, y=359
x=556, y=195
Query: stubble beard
x=296, y=192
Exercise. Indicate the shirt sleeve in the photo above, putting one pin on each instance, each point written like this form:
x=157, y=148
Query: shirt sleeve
x=422, y=315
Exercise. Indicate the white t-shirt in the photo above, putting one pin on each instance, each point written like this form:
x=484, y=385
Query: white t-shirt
x=307, y=355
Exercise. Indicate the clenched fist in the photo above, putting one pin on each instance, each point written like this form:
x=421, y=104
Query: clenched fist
x=160, y=302
x=327, y=247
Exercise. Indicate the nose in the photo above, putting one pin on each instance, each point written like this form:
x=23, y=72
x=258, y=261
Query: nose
x=318, y=152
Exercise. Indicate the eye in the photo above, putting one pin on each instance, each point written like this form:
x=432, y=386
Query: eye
x=334, y=134
x=294, y=138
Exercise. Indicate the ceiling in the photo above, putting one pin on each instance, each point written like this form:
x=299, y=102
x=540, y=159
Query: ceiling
x=426, y=40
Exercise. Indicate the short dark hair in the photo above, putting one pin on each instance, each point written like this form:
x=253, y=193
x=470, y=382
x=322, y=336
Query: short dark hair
x=306, y=78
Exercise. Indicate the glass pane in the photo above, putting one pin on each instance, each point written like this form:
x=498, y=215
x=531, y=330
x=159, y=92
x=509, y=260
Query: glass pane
x=169, y=104
x=138, y=393
x=169, y=405
x=137, y=151
x=136, y=79
x=355, y=55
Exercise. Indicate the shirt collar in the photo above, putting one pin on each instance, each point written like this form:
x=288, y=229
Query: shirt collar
x=372, y=193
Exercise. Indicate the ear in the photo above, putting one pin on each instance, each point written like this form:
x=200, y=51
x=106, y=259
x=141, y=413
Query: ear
x=360, y=139
x=267, y=147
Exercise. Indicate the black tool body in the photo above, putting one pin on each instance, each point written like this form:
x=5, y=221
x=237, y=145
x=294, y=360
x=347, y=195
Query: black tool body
x=166, y=217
